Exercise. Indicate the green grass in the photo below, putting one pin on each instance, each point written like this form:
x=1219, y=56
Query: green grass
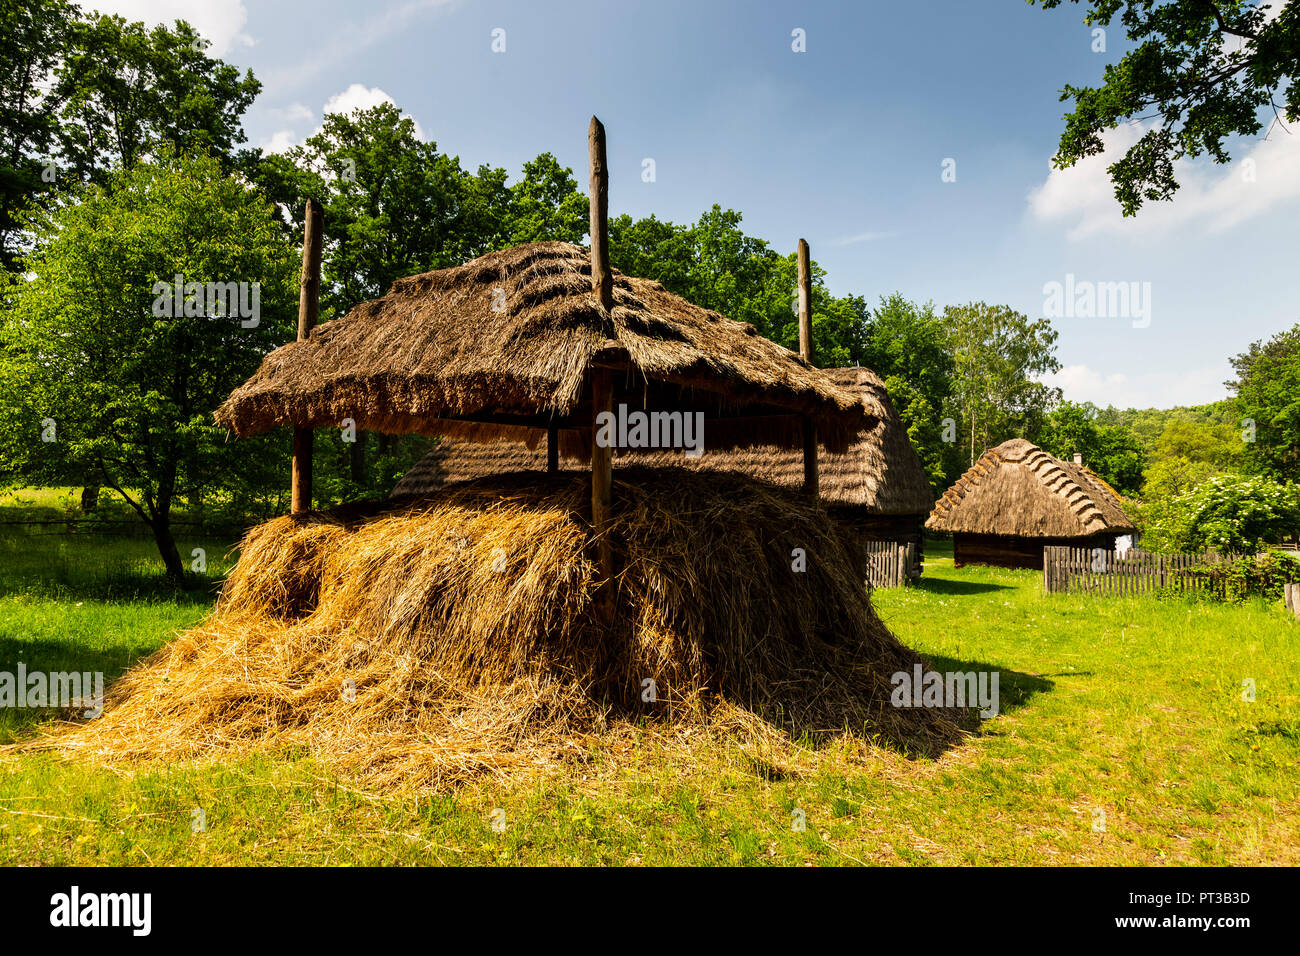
x=1128, y=706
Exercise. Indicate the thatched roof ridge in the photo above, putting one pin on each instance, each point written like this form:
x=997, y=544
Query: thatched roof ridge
x=879, y=471
x=516, y=333
x=1018, y=489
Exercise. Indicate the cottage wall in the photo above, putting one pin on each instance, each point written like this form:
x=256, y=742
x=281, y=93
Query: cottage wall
x=1010, y=551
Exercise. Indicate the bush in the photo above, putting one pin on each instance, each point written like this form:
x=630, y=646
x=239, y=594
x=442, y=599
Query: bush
x=1232, y=514
x=1261, y=575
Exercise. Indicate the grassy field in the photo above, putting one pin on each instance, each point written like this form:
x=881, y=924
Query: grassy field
x=1123, y=738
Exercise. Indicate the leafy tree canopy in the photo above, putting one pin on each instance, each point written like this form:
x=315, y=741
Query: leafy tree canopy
x=106, y=377
x=1204, y=69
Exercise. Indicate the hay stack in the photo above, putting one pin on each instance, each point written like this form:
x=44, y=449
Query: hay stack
x=463, y=623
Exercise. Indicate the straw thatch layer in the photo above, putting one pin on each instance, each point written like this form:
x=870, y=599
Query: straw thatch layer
x=880, y=472
x=455, y=634
x=1017, y=489
x=518, y=333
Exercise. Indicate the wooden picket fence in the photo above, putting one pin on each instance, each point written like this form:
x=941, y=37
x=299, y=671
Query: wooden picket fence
x=1291, y=594
x=1098, y=571
x=889, y=563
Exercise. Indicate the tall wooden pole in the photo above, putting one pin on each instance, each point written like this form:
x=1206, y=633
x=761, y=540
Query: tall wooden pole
x=602, y=280
x=602, y=384
x=308, y=313
x=806, y=351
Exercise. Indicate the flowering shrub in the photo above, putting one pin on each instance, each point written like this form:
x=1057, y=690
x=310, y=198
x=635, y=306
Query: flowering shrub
x=1231, y=514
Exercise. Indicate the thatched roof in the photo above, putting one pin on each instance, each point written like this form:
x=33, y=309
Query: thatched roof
x=1020, y=490
x=880, y=470
x=509, y=340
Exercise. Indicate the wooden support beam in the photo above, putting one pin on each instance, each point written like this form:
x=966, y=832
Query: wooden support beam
x=602, y=280
x=810, y=481
x=552, y=448
x=602, y=486
x=308, y=314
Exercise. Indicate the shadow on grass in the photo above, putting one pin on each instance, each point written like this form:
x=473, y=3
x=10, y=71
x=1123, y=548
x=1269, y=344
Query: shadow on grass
x=1015, y=688
x=949, y=586
x=52, y=657
x=74, y=568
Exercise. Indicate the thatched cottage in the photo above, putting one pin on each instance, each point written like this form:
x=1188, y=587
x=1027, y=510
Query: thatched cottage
x=1017, y=499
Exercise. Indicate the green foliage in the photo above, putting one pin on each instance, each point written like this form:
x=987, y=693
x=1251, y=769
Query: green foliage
x=1268, y=396
x=925, y=431
x=998, y=355
x=97, y=385
x=32, y=34
x=546, y=204
x=1148, y=424
x=127, y=92
x=1109, y=450
x=1204, y=70
x=907, y=345
x=714, y=264
x=1231, y=514
x=1258, y=575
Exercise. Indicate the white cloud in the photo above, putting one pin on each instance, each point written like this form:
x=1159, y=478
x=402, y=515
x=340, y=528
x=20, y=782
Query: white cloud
x=358, y=96
x=1261, y=178
x=221, y=22
x=281, y=141
x=862, y=237
x=1079, y=383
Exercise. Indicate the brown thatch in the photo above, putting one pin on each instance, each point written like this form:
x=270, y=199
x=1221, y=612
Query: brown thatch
x=513, y=337
x=452, y=635
x=880, y=472
x=1017, y=489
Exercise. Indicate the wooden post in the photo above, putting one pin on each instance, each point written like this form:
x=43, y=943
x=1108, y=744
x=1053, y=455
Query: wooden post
x=552, y=448
x=602, y=280
x=806, y=351
x=308, y=313
x=602, y=486
x=602, y=382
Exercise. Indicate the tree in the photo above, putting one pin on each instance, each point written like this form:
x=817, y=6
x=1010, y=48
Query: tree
x=714, y=264
x=997, y=354
x=106, y=373
x=1268, y=401
x=32, y=36
x=127, y=92
x=1219, y=446
x=906, y=344
x=1206, y=69
x=546, y=205
x=1109, y=450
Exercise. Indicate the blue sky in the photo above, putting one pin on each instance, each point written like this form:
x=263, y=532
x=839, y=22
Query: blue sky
x=843, y=144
